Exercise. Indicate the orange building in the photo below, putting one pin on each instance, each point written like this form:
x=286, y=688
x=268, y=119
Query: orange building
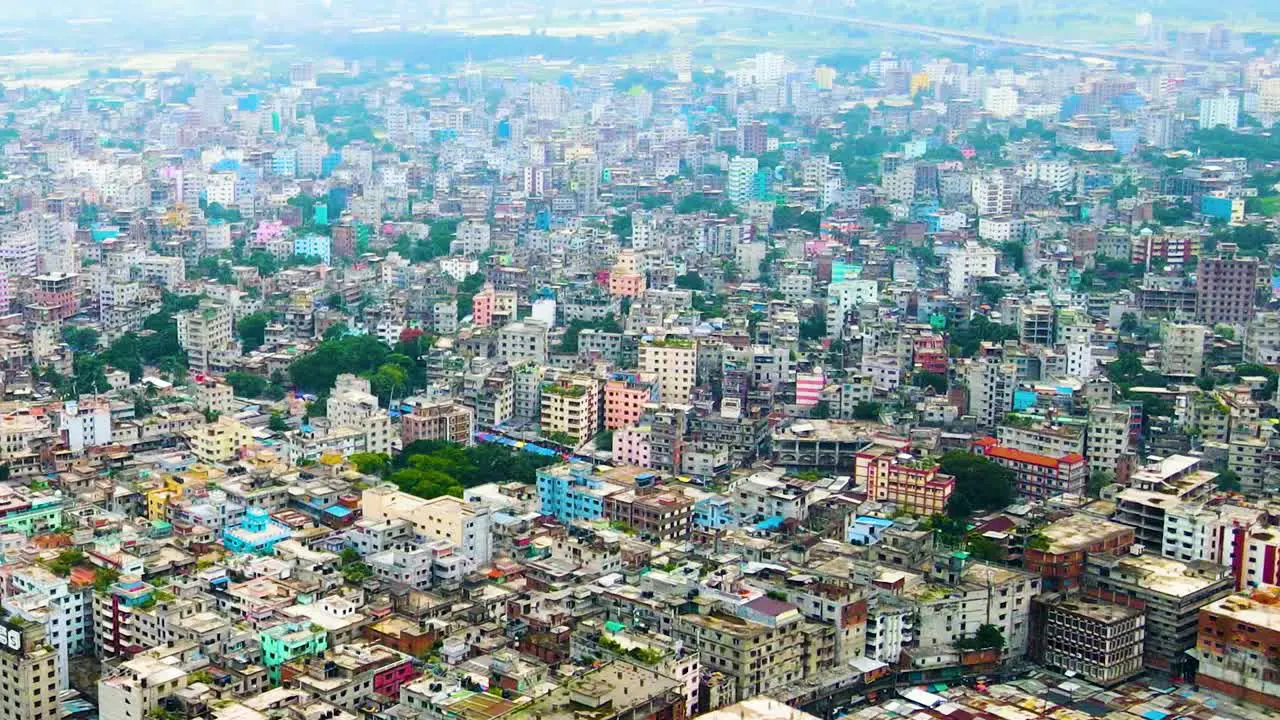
x=1238, y=646
x=912, y=483
x=1059, y=550
x=625, y=395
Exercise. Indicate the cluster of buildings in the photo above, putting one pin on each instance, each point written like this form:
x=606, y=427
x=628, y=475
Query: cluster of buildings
x=803, y=384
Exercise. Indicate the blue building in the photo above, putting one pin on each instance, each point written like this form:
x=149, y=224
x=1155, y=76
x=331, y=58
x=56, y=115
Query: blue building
x=713, y=512
x=258, y=534
x=574, y=491
x=315, y=246
x=867, y=530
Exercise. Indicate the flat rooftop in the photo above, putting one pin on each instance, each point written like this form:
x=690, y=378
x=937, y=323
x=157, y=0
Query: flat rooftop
x=1259, y=608
x=1077, y=532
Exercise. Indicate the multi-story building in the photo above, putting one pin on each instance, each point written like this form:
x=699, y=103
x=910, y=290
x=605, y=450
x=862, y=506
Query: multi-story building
x=625, y=398
x=135, y=687
x=346, y=675
x=757, y=655
x=673, y=362
x=1236, y=641
x=1100, y=641
x=65, y=611
x=352, y=405
x=1109, y=440
x=439, y=420
x=1182, y=348
x=912, y=483
x=28, y=670
x=1217, y=533
x=654, y=513
x=991, y=385
x=206, y=335
x=1040, y=477
x=1168, y=591
x=967, y=266
x=524, y=340
x=1155, y=489
x=464, y=524
x=1226, y=287
x=571, y=407
x=1057, y=552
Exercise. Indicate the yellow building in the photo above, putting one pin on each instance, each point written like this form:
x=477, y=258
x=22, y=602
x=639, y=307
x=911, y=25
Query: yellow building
x=465, y=525
x=571, y=406
x=219, y=441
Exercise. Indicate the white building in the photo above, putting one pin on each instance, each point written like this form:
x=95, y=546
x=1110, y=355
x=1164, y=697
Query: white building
x=967, y=266
x=1220, y=110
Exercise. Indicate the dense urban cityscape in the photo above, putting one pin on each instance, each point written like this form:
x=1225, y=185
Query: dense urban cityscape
x=639, y=362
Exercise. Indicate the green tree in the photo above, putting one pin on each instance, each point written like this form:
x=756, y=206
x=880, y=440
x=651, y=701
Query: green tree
x=252, y=330
x=867, y=411
x=690, y=281
x=246, y=385
x=276, y=423
x=370, y=463
x=877, y=215
x=933, y=380
x=1229, y=481
x=980, y=483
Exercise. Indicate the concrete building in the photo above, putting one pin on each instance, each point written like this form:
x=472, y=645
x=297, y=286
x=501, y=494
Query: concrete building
x=1226, y=287
x=439, y=420
x=673, y=362
x=525, y=340
x=1235, y=646
x=571, y=406
x=991, y=384
x=1057, y=552
x=466, y=525
x=1169, y=592
x=135, y=687
x=1100, y=641
x=910, y=483
x=1182, y=348
x=28, y=669
x=969, y=265
x=206, y=335
x=1039, y=477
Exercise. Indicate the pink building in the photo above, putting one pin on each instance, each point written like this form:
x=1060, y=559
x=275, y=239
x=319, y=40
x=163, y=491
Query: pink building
x=482, y=307
x=625, y=395
x=625, y=284
x=387, y=681
x=809, y=388
x=267, y=231
x=631, y=446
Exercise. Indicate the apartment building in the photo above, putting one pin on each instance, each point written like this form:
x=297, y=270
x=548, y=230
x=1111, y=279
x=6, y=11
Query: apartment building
x=1057, y=552
x=1039, y=477
x=673, y=362
x=1236, y=643
x=439, y=420
x=1168, y=591
x=464, y=524
x=912, y=483
x=205, y=333
x=571, y=406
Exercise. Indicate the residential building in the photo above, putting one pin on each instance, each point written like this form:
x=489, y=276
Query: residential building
x=1168, y=591
x=1226, y=287
x=1235, y=645
x=1099, y=641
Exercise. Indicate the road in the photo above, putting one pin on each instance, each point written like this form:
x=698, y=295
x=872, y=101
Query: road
x=926, y=30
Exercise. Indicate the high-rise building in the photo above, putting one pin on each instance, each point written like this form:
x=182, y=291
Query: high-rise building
x=991, y=384
x=742, y=172
x=674, y=362
x=1221, y=110
x=1100, y=641
x=206, y=334
x=1225, y=287
x=29, y=671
